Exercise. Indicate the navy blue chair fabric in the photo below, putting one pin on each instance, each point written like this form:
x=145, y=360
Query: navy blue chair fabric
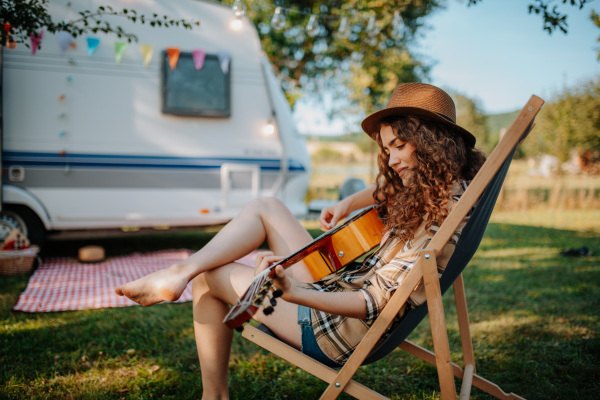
x=466, y=247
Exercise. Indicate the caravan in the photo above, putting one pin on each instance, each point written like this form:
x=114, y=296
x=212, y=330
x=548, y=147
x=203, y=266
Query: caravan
x=178, y=129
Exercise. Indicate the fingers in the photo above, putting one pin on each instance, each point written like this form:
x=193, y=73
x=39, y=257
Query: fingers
x=264, y=259
x=331, y=215
x=327, y=220
x=279, y=272
x=280, y=279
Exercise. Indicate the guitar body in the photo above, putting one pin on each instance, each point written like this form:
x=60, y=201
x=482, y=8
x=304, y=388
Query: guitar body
x=326, y=254
x=336, y=250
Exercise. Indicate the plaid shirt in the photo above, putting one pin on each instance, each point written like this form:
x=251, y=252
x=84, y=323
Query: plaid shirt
x=377, y=278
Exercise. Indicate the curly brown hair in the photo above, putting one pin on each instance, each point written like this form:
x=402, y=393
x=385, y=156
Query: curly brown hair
x=442, y=158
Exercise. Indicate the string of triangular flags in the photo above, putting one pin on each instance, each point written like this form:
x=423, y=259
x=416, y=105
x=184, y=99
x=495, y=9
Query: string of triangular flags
x=66, y=41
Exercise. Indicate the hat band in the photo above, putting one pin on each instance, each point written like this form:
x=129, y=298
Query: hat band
x=445, y=117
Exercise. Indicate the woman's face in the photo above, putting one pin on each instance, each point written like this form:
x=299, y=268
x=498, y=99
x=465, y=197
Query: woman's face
x=400, y=153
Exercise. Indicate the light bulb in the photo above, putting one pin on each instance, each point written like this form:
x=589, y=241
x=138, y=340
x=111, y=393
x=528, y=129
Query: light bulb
x=278, y=20
x=269, y=128
x=312, y=28
x=372, y=28
x=344, y=29
x=239, y=8
x=397, y=26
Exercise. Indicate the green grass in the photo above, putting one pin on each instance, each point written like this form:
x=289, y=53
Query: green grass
x=534, y=313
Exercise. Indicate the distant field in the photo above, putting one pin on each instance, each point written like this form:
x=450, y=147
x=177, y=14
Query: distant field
x=574, y=220
x=524, y=190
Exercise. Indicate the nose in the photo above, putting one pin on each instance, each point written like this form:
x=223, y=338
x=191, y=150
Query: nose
x=393, y=160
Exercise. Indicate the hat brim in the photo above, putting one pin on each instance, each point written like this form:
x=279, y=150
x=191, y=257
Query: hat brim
x=371, y=124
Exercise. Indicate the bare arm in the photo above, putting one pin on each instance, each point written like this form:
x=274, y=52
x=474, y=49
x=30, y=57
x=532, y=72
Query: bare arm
x=331, y=215
x=348, y=304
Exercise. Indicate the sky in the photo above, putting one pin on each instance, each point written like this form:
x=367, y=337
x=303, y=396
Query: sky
x=495, y=53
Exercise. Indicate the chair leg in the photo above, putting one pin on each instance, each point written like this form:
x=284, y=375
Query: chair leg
x=465, y=337
x=463, y=321
x=479, y=382
x=438, y=324
x=467, y=382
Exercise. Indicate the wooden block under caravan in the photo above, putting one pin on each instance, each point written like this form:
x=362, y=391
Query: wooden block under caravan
x=91, y=254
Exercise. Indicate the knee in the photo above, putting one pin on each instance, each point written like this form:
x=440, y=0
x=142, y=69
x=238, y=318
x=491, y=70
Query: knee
x=206, y=282
x=267, y=205
x=199, y=285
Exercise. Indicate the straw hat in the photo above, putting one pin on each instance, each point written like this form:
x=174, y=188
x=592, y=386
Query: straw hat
x=420, y=100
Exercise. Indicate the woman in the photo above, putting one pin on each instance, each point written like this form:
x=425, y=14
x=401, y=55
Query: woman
x=425, y=161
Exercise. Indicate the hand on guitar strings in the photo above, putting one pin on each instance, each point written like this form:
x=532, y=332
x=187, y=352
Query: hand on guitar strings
x=331, y=215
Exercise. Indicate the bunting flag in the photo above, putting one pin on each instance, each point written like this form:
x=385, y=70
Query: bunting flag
x=224, y=57
x=119, y=50
x=147, y=51
x=36, y=39
x=198, y=56
x=92, y=45
x=64, y=40
x=173, y=55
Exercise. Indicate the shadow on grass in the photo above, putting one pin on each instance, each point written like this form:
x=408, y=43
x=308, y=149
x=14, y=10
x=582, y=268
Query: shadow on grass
x=534, y=320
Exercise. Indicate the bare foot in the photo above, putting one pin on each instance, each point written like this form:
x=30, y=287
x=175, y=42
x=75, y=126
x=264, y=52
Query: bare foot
x=165, y=285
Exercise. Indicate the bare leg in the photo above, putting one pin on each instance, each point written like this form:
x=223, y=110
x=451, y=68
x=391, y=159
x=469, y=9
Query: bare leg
x=262, y=219
x=213, y=292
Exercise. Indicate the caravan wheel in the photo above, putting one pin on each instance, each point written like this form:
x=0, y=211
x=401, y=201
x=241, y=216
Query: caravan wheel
x=22, y=218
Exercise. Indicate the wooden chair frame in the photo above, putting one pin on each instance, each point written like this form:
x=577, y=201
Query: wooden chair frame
x=425, y=269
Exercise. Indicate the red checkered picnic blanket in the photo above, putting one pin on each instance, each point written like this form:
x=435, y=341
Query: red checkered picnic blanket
x=62, y=284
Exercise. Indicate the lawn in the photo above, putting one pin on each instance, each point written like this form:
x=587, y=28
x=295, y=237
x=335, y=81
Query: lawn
x=534, y=313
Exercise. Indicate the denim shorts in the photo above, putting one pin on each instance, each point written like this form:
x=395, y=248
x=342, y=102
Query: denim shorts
x=309, y=343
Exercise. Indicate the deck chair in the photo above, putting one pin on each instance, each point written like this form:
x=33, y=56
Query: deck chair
x=482, y=192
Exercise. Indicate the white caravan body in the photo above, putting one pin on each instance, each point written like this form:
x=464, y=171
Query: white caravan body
x=87, y=143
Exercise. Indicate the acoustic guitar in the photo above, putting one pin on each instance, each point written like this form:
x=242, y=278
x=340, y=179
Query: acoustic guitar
x=328, y=253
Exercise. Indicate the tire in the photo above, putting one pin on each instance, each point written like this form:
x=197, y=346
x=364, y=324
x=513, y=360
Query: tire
x=22, y=218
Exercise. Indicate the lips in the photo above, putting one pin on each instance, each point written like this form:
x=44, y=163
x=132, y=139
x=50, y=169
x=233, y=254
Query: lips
x=401, y=171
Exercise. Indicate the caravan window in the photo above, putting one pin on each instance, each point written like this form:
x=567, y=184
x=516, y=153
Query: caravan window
x=197, y=92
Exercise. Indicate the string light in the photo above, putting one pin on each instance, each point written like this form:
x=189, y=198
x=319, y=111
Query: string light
x=372, y=28
x=344, y=29
x=239, y=9
x=312, y=28
x=397, y=26
x=278, y=21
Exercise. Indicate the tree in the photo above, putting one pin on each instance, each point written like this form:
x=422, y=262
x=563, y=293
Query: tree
x=552, y=17
x=358, y=49
x=22, y=18
x=470, y=116
x=596, y=18
x=570, y=122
